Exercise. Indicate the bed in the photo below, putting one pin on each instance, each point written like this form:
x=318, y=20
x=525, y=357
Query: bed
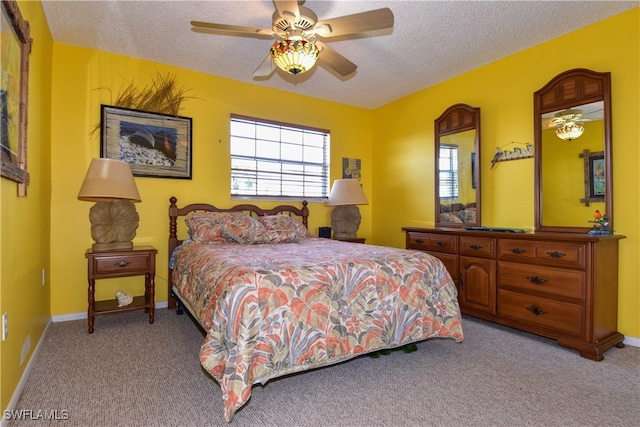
x=274, y=300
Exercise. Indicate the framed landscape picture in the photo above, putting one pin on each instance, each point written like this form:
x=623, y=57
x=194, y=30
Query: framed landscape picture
x=154, y=145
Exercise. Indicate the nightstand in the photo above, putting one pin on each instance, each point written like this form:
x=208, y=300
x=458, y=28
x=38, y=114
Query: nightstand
x=350, y=239
x=141, y=260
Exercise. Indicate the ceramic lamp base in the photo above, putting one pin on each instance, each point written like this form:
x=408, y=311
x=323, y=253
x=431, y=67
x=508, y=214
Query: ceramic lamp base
x=345, y=221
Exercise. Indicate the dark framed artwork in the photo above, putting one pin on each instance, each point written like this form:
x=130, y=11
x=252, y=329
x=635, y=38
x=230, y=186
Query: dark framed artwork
x=14, y=90
x=594, y=177
x=154, y=145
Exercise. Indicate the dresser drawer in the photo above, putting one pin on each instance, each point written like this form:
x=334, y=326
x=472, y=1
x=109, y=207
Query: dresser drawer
x=536, y=311
x=432, y=242
x=546, y=280
x=549, y=253
x=449, y=261
x=477, y=246
x=121, y=264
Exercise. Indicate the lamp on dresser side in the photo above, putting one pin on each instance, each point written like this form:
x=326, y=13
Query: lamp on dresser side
x=346, y=195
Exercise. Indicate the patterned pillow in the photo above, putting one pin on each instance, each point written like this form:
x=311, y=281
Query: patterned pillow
x=450, y=218
x=283, y=229
x=222, y=227
x=467, y=215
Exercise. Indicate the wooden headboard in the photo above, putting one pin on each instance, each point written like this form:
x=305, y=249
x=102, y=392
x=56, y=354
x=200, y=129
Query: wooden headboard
x=175, y=212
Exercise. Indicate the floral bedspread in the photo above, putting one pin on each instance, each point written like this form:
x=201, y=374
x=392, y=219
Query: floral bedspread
x=273, y=309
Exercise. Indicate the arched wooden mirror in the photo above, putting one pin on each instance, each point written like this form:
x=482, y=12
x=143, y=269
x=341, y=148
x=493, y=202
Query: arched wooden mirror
x=573, y=162
x=457, y=151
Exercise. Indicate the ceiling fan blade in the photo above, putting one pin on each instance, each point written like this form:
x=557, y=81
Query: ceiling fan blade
x=207, y=27
x=378, y=19
x=266, y=67
x=332, y=59
x=288, y=10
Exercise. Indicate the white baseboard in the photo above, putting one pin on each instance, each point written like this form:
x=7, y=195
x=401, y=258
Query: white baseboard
x=25, y=375
x=83, y=314
x=633, y=342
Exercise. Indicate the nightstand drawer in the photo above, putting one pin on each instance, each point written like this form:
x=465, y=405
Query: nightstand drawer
x=122, y=264
x=138, y=261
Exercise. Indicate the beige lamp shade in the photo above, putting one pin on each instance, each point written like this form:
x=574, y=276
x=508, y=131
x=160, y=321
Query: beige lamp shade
x=346, y=192
x=109, y=179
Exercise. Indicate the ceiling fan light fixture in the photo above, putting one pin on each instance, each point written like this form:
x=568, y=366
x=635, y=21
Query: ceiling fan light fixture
x=569, y=131
x=295, y=56
x=568, y=128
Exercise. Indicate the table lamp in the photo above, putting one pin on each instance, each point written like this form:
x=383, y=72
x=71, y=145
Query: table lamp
x=345, y=195
x=114, y=219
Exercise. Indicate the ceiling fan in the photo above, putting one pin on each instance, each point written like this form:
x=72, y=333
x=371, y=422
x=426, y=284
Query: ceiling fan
x=297, y=29
x=568, y=123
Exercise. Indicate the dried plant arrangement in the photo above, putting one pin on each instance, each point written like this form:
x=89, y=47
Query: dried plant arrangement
x=164, y=96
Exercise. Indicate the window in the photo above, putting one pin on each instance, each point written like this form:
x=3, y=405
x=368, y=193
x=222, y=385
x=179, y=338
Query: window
x=448, y=167
x=278, y=160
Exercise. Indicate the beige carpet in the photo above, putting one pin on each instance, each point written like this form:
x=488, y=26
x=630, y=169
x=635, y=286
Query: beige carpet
x=130, y=373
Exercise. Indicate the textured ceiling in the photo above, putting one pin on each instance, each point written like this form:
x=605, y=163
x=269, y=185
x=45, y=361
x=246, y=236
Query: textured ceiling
x=431, y=41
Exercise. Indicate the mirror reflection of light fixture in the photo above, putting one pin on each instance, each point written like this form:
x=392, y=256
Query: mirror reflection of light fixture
x=567, y=128
x=295, y=56
x=114, y=219
x=345, y=195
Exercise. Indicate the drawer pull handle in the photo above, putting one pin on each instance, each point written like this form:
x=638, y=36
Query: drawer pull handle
x=536, y=310
x=419, y=241
x=556, y=254
x=122, y=264
x=475, y=247
x=537, y=280
x=517, y=250
x=441, y=243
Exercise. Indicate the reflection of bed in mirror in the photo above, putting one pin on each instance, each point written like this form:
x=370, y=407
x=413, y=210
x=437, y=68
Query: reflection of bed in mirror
x=458, y=213
x=457, y=172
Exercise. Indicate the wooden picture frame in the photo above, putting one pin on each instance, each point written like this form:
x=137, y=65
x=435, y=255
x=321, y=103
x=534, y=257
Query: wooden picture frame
x=14, y=90
x=594, y=177
x=154, y=145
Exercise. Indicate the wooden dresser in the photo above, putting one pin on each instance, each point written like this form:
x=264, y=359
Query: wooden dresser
x=562, y=286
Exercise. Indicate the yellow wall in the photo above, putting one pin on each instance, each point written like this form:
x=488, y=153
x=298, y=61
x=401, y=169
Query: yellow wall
x=79, y=73
x=50, y=228
x=563, y=176
x=24, y=221
x=403, y=193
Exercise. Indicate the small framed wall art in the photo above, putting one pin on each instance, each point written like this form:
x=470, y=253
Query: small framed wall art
x=155, y=145
x=594, y=177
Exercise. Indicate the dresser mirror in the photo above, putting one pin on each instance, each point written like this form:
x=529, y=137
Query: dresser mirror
x=573, y=165
x=457, y=170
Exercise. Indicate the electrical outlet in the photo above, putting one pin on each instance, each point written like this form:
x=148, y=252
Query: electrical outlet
x=5, y=326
